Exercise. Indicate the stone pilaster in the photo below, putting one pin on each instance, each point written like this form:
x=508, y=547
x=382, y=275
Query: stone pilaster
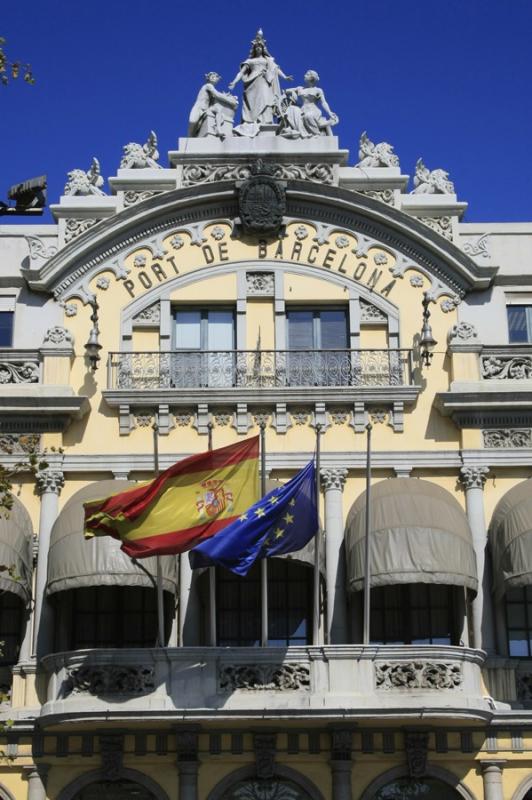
x=36, y=775
x=333, y=482
x=49, y=483
x=189, y=610
x=473, y=479
x=187, y=764
x=341, y=764
x=492, y=779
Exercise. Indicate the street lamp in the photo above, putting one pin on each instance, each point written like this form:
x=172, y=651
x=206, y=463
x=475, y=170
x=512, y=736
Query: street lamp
x=427, y=341
x=93, y=346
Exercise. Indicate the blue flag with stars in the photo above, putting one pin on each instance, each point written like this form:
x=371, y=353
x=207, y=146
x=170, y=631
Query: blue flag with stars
x=283, y=521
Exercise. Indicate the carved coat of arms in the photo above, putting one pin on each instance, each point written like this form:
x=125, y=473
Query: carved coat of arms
x=262, y=200
x=213, y=499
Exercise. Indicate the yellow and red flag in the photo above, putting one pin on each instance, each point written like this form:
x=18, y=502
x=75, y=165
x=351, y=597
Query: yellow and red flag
x=186, y=504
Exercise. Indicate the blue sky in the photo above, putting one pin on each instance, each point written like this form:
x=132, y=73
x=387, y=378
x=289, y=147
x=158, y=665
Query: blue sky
x=449, y=81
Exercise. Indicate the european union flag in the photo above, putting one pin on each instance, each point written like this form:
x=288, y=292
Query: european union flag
x=283, y=521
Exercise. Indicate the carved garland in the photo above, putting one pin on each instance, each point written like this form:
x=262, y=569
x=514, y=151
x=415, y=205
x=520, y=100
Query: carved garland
x=110, y=680
x=417, y=675
x=265, y=677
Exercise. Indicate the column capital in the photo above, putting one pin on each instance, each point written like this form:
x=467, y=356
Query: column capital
x=49, y=481
x=494, y=765
x=333, y=478
x=473, y=477
x=32, y=771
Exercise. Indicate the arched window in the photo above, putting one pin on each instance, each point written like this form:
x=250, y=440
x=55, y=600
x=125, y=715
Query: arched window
x=412, y=789
x=289, y=605
x=276, y=789
x=114, y=790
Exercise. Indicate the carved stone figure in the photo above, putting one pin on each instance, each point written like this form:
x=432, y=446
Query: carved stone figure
x=141, y=156
x=428, y=181
x=85, y=183
x=262, y=92
x=262, y=200
x=213, y=112
x=376, y=155
x=306, y=121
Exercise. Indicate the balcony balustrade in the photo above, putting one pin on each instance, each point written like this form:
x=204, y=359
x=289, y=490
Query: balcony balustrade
x=259, y=369
x=350, y=680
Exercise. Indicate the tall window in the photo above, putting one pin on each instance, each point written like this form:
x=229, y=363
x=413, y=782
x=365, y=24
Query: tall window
x=412, y=614
x=325, y=333
x=6, y=328
x=289, y=606
x=519, y=324
x=519, y=621
x=204, y=344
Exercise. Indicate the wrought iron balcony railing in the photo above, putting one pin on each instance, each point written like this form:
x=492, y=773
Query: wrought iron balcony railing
x=264, y=369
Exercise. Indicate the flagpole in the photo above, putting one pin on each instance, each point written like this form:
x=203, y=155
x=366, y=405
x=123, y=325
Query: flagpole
x=317, y=545
x=367, y=541
x=160, y=598
x=264, y=561
x=212, y=573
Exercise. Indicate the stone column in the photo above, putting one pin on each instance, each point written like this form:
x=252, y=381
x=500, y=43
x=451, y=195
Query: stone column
x=189, y=612
x=473, y=479
x=333, y=481
x=49, y=485
x=187, y=764
x=492, y=779
x=36, y=775
x=341, y=764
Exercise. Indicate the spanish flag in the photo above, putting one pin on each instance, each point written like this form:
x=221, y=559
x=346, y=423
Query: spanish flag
x=184, y=505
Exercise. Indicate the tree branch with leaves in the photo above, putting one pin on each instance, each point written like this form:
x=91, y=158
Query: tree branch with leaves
x=11, y=70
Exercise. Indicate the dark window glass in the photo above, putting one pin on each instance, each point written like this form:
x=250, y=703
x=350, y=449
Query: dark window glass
x=289, y=606
x=114, y=616
x=519, y=621
x=324, y=332
x=519, y=324
x=412, y=614
x=203, y=331
x=11, y=610
x=6, y=328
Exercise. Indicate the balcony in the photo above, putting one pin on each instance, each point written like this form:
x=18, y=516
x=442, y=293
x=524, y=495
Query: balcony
x=350, y=681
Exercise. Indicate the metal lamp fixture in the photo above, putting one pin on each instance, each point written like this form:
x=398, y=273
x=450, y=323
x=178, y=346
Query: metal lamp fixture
x=93, y=346
x=427, y=341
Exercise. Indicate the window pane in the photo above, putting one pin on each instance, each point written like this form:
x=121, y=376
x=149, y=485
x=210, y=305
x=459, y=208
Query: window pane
x=516, y=615
x=333, y=330
x=188, y=330
x=517, y=327
x=300, y=330
x=220, y=330
x=518, y=643
x=6, y=328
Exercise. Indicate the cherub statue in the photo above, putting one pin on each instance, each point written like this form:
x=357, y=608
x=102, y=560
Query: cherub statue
x=428, y=181
x=141, y=156
x=214, y=111
x=306, y=120
x=85, y=183
x=376, y=155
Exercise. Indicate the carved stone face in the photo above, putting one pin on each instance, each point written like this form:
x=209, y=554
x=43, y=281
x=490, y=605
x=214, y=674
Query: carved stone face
x=258, y=50
x=311, y=77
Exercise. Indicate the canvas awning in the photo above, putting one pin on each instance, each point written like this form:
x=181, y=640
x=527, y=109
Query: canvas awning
x=419, y=534
x=510, y=539
x=75, y=562
x=15, y=551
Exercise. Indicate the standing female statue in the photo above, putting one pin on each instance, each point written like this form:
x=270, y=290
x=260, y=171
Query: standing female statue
x=306, y=120
x=262, y=93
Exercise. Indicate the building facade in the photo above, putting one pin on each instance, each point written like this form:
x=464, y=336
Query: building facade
x=261, y=282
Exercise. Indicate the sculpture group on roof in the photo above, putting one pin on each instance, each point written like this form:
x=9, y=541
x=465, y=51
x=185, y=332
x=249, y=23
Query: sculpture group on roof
x=301, y=112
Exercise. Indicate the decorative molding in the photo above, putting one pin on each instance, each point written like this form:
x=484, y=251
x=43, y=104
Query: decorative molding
x=75, y=227
x=104, y=680
x=112, y=753
x=19, y=443
x=474, y=477
x=144, y=419
x=265, y=745
x=260, y=284
x=197, y=174
x=462, y=332
x=507, y=437
x=477, y=248
x=264, y=677
x=416, y=748
x=262, y=417
x=49, y=481
x=435, y=181
x=370, y=313
x=58, y=336
x=417, y=675
x=183, y=418
x=300, y=417
x=333, y=479
x=39, y=249
x=506, y=367
x=19, y=371
x=375, y=155
x=340, y=416
x=223, y=419
x=187, y=746
x=442, y=225
x=149, y=315
x=132, y=196
x=378, y=415
x=341, y=744
x=385, y=196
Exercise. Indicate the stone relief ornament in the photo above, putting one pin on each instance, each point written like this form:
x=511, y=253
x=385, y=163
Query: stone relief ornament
x=141, y=156
x=428, y=181
x=223, y=420
x=19, y=372
x=144, y=419
x=333, y=478
x=266, y=790
x=183, y=419
x=462, y=332
x=416, y=747
x=442, y=225
x=260, y=284
x=132, y=197
x=478, y=248
x=213, y=112
x=380, y=259
x=71, y=309
x=449, y=304
x=75, y=227
x=301, y=232
x=299, y=417
x=300, y=113
x=416, y=281
x=264, y=745
x=262, y=417
x=197, y=174
x=19, y=443
x=341, y=242
x=369, y=312
x=510, y=437
x=264, y=677
x=260, y=75
x=384, y=195
x=108, y=679
x=140, y=261
x=58, y=336
x=151, y=314
x=340, y=416
x=82, y=183
x=375, y=155
x=217, y=233
x=378, y=415
x=38, y=249
x=112, y=753
x=262, y=200
x=177, y=242
x=103, y=283
x=474, y=477
x=509, y=368
x=417, y=675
